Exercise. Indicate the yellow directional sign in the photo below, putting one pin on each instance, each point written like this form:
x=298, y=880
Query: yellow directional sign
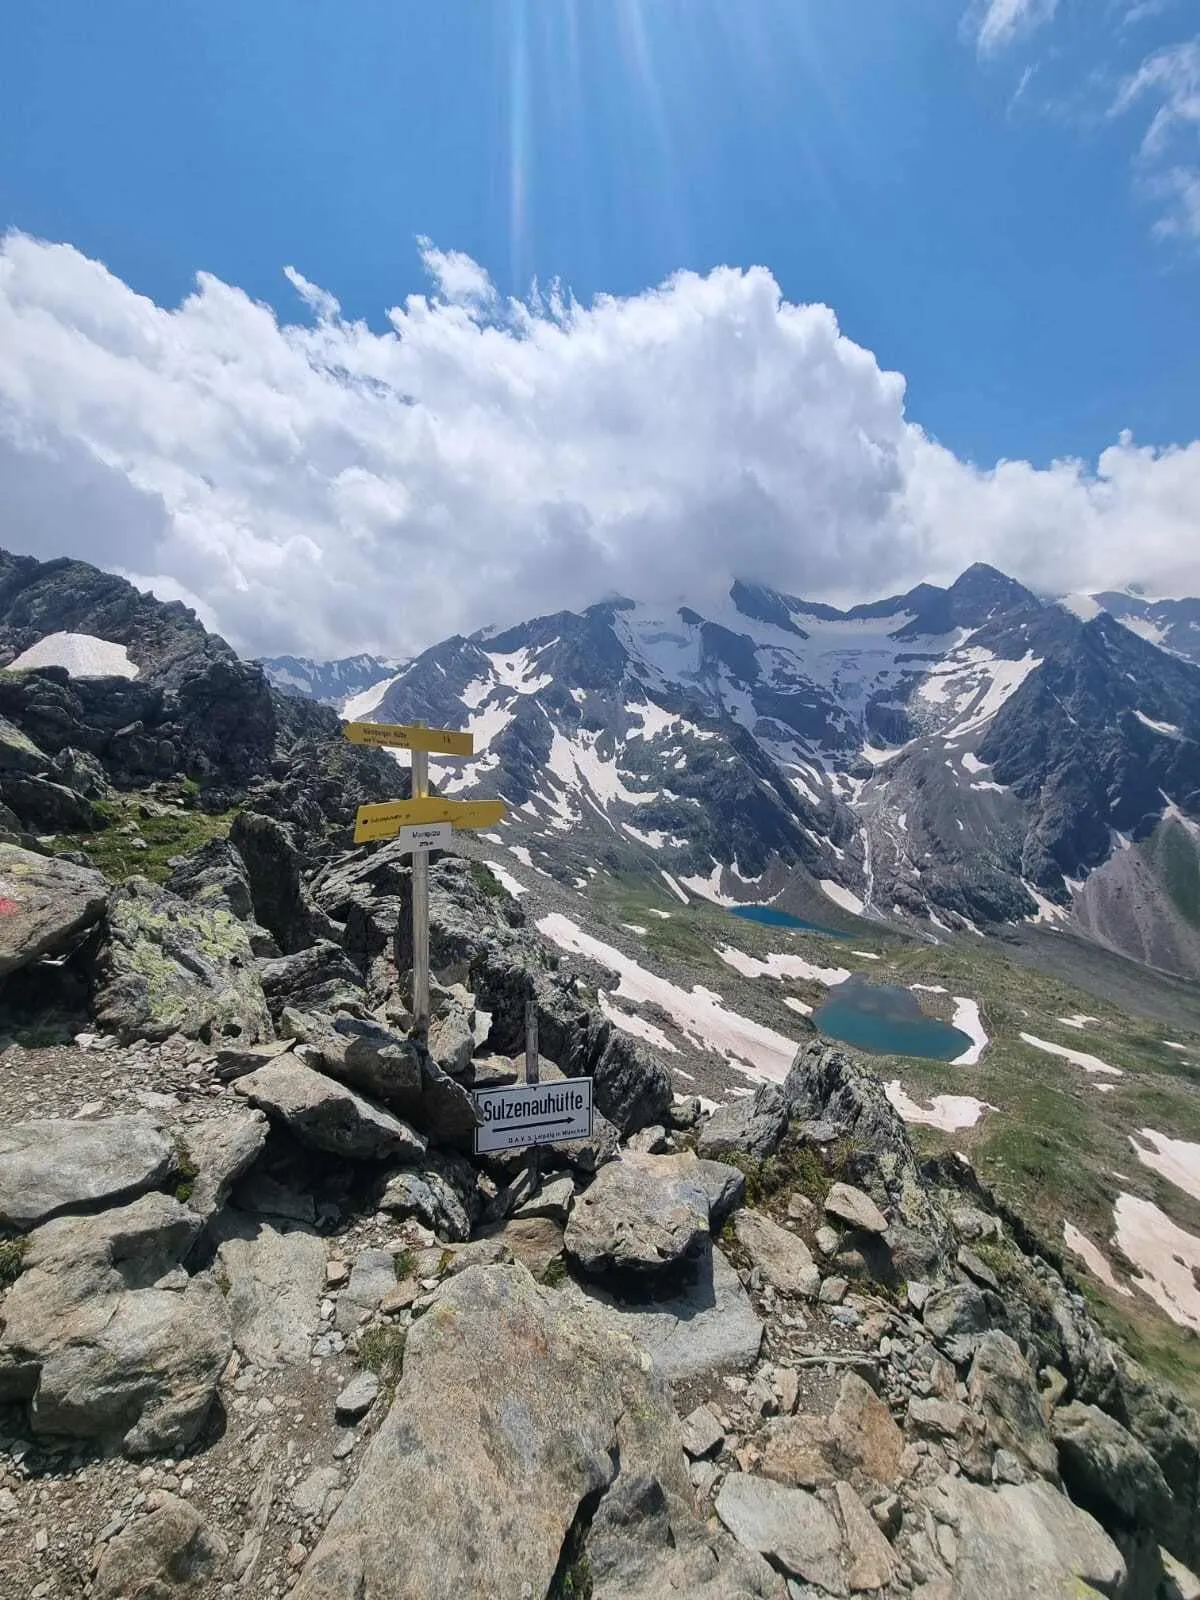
x=385, y=821
x=412, y=736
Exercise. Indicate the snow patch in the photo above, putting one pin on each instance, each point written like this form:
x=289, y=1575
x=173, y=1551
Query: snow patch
x=710, y=888
x=637, y=1026
x=949, y=1112
x=967, y=1020
x=699, y=1013
x=1092, y=1257
x=840, y=896
x=1173, y=1159
x=1079, y=1019
x=674, y=888
x=517, y=672
x=1168, y=728
x=361, y=705
x=1167, y=1258
x=780, y=966
x=522, y=854
x=928, y=988
x=1078, y=1058
x=633, y=927
x=505, y=879
x=797, y=1005
x=82, y=654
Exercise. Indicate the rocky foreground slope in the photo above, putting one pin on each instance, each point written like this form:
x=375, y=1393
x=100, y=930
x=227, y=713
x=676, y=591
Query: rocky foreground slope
x=269, y=1327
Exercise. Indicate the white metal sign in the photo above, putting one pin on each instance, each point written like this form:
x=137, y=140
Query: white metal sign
x=426, y=836
x=533, y=1113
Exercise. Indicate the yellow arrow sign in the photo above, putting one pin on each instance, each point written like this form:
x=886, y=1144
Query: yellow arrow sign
x=410, y=736
x=385, y=821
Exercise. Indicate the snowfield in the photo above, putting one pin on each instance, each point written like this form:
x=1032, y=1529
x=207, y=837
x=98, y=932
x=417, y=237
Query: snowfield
x=82, y=654
x=1174, y=1159
x=1078, y=1058
x=505, y=879
x=1167, y=1258
x=840, y=896
x=699, y=1014
x=949, y=1112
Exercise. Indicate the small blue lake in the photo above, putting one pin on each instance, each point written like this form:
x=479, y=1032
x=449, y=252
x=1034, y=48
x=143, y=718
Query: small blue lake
x=886, y=1021
x=772, y=917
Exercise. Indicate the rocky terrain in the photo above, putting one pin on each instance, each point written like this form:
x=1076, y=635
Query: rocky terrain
x=269, y=1327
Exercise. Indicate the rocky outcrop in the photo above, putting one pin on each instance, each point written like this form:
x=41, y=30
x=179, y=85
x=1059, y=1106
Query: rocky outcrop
x=637, y=1218
x=45, y=904
x=752, y=1126
x=325, y=1115
x=596, y=1443
x=50, y=1167
x=175, y=966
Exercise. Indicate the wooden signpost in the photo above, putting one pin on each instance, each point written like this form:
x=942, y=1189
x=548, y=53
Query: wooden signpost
x=415, y=822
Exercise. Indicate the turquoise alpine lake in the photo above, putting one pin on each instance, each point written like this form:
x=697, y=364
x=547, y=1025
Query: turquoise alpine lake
x=886, y=1021
x=772, y=917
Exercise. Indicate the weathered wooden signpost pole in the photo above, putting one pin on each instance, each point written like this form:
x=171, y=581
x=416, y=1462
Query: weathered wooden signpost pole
x=420, y=905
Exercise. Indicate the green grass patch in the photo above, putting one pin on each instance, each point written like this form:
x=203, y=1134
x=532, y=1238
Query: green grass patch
x=176, y=833
x=12, y=1259
x=485, y=880
x=405, y=1264
x=186, y=1171
x=381, y=1351
x=555, y=1273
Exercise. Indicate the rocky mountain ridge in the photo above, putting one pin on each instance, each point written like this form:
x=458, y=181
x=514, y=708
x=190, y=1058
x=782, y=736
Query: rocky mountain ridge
x=963, y=758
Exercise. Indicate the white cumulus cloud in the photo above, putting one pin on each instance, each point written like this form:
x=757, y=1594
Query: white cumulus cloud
x=315, y=486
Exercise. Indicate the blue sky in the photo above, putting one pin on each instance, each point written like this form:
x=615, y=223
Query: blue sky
x=990, y=198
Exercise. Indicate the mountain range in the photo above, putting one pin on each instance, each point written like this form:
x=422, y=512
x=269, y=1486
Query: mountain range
x=961, y=758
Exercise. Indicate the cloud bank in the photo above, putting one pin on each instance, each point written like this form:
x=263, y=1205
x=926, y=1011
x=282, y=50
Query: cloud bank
x=315, y=486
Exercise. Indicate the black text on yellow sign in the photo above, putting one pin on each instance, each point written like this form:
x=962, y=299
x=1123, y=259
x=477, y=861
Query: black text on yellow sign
x=385, y=821
x=404, y=736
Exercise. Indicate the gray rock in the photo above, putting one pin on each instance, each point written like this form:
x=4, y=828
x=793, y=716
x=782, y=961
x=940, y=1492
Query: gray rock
x=176, y=966
x=870, y=1564
x=790, y=1527
x=310, y=1494
x=1106, y=1469
x=1022, y=1540
x=1001, y=1387
x=221, y=1151
x=707, y=1325
x=956, y=1317
x=752, y=1125
x=54, y=1166
x=263, y=1196
x=372, y=1276
x=553, y=1199
x=429, y=1193
x=235, y=1061
x=164, y=1556
x=357, y=1398
x=636, y=1218
x=977, y=1269
x=684, y=1112
x=851, y=1206
x=98, y=1348
x=569, y=1415
x=702, y=1433
x=833, y=1291
x=452, y=1037
x=276, y=1278
x=319, y=978
x=215, y=875
x=650, y=1141
x=782, y=1257
x=393, y=1069
x=326, y=1115
x=272, y=862
x=47, y=904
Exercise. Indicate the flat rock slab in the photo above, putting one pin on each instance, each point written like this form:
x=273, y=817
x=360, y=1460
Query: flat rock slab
x=637, y=1217
x=276, y=1278
x=1027, y=1539
x=783, y=1258
x=790, y=1527
x=221, y=1151
x=516, y=1407
x=50, y=1167
x=44, y=904
x=857, y=1210
x=326, y=1115
x=708, y=1325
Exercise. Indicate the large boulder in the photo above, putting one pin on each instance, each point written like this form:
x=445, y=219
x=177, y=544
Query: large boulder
x=783, y=1258
x=107, y=1337
x=1108, y=1472
x=321, y=978
x=752, y=1125
x=636, y=1217
x=176, y=966
x=540, y=1426
x=826, y=1539
x=1025, y=1540
x=47, y=807
x=45, y=904
x=59, y=1165
x=396, y=1070
x=219, y=1152
x=440, y=1191
x=272, y=861
x=326, y=1115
